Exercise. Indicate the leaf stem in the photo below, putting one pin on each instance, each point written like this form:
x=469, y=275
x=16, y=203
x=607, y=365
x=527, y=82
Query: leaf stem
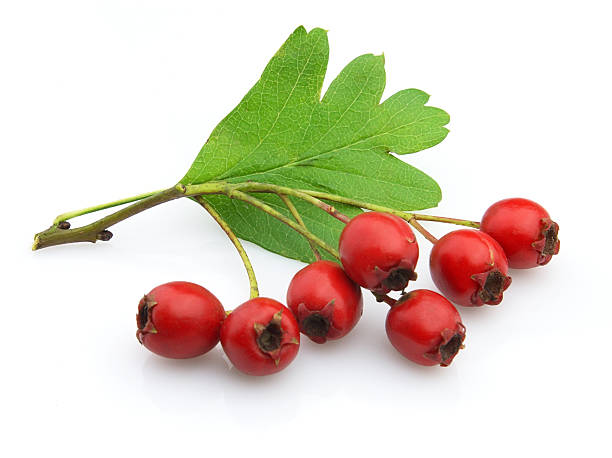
x=73, y=214
x=241, y=251
x=296, y=215
x=236, y=194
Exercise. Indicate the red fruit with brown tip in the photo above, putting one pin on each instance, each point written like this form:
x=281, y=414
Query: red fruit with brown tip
x=470, y=268
x=426, y=328
x=379, y=252
x=260, y=337
x=179, y=320
x=524, y=230
x=326, y=302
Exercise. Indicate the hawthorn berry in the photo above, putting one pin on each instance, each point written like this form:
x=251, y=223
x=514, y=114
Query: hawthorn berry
x=426, y=328
x=524, y=230
x=470, y=268
x=326, y=302
x=260, y=337
x=179, y=320
x=379, y=252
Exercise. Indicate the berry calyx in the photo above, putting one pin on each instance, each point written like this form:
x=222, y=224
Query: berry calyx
x=271, y=337
x=326, y=302
x=260, y=337
x=379, y=252
x=316, y=325
x=179, y=320
x=524, y=230
x=470, y=268
x=425, y=328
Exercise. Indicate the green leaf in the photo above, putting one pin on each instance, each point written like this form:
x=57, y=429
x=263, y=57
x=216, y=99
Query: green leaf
x=282, y=132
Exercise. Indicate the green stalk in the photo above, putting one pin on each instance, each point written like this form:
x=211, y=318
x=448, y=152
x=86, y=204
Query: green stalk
x=59, y=234
x=314, y=198
x=296, y=215
x=128, y=200
x=241, y=251
x=268, y=188
x=404, y=215
x=98, y=230
x=235, y=194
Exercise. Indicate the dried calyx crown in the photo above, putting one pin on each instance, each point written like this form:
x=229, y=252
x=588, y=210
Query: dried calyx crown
x=271, y=337
x=492, y=285
x=144, y=319
x=317, y=324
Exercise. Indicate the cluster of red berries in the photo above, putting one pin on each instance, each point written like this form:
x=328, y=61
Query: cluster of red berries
x=378, y=252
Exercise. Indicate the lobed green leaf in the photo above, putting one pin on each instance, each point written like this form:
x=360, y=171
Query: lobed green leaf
x=282, y=132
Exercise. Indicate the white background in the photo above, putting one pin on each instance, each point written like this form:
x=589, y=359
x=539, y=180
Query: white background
x=101, y=100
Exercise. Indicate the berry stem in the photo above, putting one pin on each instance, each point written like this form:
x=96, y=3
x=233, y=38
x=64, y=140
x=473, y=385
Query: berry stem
x=314, y=197
x=296, y=215
x=323, y=206
x=402, y=214
x=386, y=299
x=443, y=219
x=424, y=232
x=241, y=251
x=235, y=194
x=305, y=196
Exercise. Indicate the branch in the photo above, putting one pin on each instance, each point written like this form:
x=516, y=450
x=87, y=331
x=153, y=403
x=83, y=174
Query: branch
x=98, y=229
x=61, y=233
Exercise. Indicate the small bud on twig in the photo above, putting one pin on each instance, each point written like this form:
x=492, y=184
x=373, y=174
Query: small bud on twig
x=63, y=225
x=104, y=235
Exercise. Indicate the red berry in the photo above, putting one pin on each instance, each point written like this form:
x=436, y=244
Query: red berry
x=379, y=252
x=260, y=337
x=524, y=230
x=426, y=328
x=470, y=268
x=179, y=320
x=326, y=302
